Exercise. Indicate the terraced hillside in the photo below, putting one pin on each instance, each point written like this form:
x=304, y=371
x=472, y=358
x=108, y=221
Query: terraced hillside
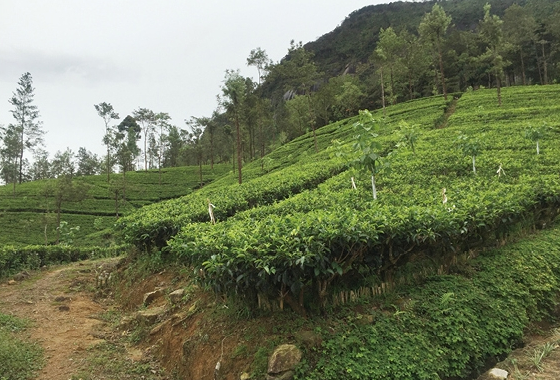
x=28, y=214
x=302, y=226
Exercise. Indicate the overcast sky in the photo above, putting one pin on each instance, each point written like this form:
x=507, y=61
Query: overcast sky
x=168, y=55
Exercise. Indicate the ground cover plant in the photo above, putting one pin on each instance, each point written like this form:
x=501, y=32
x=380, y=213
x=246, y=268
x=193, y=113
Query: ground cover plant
x=449, y=325
x=19, y=359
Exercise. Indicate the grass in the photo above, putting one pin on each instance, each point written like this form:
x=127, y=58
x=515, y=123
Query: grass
x=19, y=358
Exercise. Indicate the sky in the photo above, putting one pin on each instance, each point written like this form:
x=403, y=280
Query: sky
x=167, y=56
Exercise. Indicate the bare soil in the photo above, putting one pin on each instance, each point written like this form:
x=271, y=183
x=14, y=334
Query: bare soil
x=65, y=309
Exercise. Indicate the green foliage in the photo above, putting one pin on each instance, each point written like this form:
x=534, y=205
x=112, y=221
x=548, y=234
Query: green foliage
x=19, y=359
x=13, y=259
x=327, y=233
x=27, y=215
x=453, y=324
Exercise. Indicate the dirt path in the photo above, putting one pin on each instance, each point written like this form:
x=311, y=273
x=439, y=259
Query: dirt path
x=59, y=302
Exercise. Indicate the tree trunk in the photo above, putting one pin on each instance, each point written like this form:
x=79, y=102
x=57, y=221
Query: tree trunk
x=499, y=88
x=373, y=189
x=441, y=70
x=544, y=64
x=239, y=155
x=382, y=91
x=312, y=120
x=523, y=67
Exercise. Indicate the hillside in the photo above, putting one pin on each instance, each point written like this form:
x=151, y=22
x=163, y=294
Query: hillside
x=29, y=213
x=355, y=38
x=411, y=285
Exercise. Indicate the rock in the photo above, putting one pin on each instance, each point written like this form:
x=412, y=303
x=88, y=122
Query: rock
x=152, y=296
x=150, y=316
x=176, y=296
x=309, y=339
x=126, y=323
x=21, y=276
x=64, y=308
x=244, y=376
x=12, y=282
x=497, y=374
x=61, y=299
x=283, y=360
x=157, y=329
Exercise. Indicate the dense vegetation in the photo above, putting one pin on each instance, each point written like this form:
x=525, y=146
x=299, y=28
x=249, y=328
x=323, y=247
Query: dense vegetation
x=448, y=326
x=283, y=234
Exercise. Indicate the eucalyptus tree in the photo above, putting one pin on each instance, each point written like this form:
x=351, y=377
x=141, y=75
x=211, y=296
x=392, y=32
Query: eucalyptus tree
x=107, y=113
x=27, y=127
x=147, y=119
x=492, y=33
x=433, y=28
x=233, y=97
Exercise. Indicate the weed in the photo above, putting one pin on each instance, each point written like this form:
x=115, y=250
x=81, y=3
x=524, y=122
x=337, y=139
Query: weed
x=541, y=353
x=19, y=359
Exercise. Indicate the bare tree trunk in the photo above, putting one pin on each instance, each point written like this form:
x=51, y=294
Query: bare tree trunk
x=523, y=67
x=441, y=71
x=382, y=91
x=239, y=155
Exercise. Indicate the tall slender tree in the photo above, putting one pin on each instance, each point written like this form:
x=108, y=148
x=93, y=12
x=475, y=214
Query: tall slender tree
x=107, y=113
x=147, y=119
x=491, y=32
x=433, y=28
x=234, y=92
x=26, y=114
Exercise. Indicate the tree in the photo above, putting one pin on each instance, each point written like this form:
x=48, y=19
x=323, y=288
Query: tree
x=9, y=153
x=491, y=32
x=88, y=163
x=107, y=113
x=25, y=113
x=234, y=92
x=299, y=74
x=41, y=167
x=147, y=119
x=365, y=155
x=433, y=28
x=67, y=190
x=161, y=121
x=128, y=133
x=535, y=135
x=470, y=147
x=194, y=140
x=62, y=164
x=259, y=59
x=389, y=50
x=520, y=30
